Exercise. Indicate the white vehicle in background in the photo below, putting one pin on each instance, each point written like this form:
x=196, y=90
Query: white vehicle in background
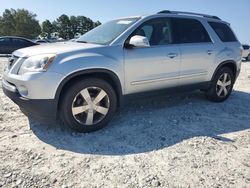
x=246, y=52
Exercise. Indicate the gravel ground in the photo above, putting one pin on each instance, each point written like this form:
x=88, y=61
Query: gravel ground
x=181, y=140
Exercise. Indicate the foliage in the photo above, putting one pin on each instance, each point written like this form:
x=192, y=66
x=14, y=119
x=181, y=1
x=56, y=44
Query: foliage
x=19, y=22
x=23, y=23
x=47, y=29
x=69, y=27
x=63, y=27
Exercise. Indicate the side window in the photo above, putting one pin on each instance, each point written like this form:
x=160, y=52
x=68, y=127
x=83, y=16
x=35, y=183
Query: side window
x=19, y=42
x=148, y=30
x=189, y=31
x=158, y=31
x=223, y=31
x=5, y=41
x=26, y=43
x=16, y=42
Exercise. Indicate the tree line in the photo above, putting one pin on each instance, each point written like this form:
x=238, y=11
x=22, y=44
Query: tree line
x=23, y=23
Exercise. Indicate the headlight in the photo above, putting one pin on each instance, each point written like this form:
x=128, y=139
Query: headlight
x=38, y=63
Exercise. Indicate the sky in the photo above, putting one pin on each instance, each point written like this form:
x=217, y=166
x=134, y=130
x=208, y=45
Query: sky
x=236, y=12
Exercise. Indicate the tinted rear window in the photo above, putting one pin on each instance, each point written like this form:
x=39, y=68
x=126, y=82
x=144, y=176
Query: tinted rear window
x=223, y=31
x=189, y=31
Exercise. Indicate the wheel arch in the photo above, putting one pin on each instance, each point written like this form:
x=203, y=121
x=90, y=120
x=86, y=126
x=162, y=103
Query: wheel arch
x=105, y=74
x=230, y=64
x=248, y=57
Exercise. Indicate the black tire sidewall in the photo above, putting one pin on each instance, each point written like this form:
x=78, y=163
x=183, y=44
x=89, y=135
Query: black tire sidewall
x=72, y=91
x=248, y=57
x=212, y=94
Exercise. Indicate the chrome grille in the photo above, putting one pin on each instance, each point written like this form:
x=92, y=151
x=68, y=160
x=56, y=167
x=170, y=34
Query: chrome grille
x=12, y=60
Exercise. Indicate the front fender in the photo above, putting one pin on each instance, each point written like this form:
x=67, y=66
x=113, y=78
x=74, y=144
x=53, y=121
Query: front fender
x=68, y=64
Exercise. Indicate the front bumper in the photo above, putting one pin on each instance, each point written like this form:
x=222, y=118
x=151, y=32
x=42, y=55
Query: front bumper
x=41, y=108
x=35, y=85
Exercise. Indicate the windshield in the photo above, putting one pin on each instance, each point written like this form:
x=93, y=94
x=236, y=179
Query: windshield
x=106, y=33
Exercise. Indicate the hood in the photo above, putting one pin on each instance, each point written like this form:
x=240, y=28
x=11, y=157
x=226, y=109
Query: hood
x=56, y=48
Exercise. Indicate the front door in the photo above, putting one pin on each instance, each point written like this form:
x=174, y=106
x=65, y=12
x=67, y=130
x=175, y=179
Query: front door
x=153, y=67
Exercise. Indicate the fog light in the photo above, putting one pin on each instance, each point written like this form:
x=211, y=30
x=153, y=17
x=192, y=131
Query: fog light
x=23, y=91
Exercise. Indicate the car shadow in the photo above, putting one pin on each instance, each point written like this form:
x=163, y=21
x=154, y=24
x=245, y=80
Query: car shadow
x=154, y=122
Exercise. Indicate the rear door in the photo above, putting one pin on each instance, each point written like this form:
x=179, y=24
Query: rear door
x=196, y=50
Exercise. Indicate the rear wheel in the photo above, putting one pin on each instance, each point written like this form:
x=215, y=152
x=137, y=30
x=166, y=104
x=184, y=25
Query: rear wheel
x=221, y=86
x=248, y=57
x=88, y=105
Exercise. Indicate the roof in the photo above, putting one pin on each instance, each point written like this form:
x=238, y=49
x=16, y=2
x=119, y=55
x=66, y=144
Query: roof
x=15, y=37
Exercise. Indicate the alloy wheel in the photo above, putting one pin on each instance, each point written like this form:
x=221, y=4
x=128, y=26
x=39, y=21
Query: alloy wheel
x=90, y=106
x=224, y=85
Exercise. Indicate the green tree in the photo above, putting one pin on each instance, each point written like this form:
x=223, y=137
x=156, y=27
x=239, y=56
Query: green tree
x=47, y=28
x=74, y=24
x=19, y=22
x=67, y=27
x=97, y=23
x=64, y=27
x=81, y=22
x=89, y=24
x=7, y=22
x=85, y=24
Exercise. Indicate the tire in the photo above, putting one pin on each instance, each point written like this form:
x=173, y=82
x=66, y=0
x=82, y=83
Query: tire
x=221, y=85
x=248, y=58
x=88, y=105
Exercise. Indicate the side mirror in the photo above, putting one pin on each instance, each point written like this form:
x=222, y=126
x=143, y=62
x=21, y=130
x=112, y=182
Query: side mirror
x=139, y=41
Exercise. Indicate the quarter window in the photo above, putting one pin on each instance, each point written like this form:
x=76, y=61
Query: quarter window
x=223, y=31
x=189, y=31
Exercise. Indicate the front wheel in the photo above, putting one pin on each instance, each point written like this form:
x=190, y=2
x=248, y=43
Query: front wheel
x=221, y=85
x=88, y=105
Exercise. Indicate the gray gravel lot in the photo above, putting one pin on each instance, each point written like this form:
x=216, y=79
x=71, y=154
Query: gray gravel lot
x=178, y=140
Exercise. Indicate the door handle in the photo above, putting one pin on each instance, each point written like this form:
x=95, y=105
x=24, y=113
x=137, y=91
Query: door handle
x=209, y=52
x=172, y=55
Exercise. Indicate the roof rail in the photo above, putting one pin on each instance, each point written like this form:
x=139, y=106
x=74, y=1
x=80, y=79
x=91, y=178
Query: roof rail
x=188, y=13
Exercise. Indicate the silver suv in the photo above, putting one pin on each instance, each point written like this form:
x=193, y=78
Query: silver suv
x=83, y=82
